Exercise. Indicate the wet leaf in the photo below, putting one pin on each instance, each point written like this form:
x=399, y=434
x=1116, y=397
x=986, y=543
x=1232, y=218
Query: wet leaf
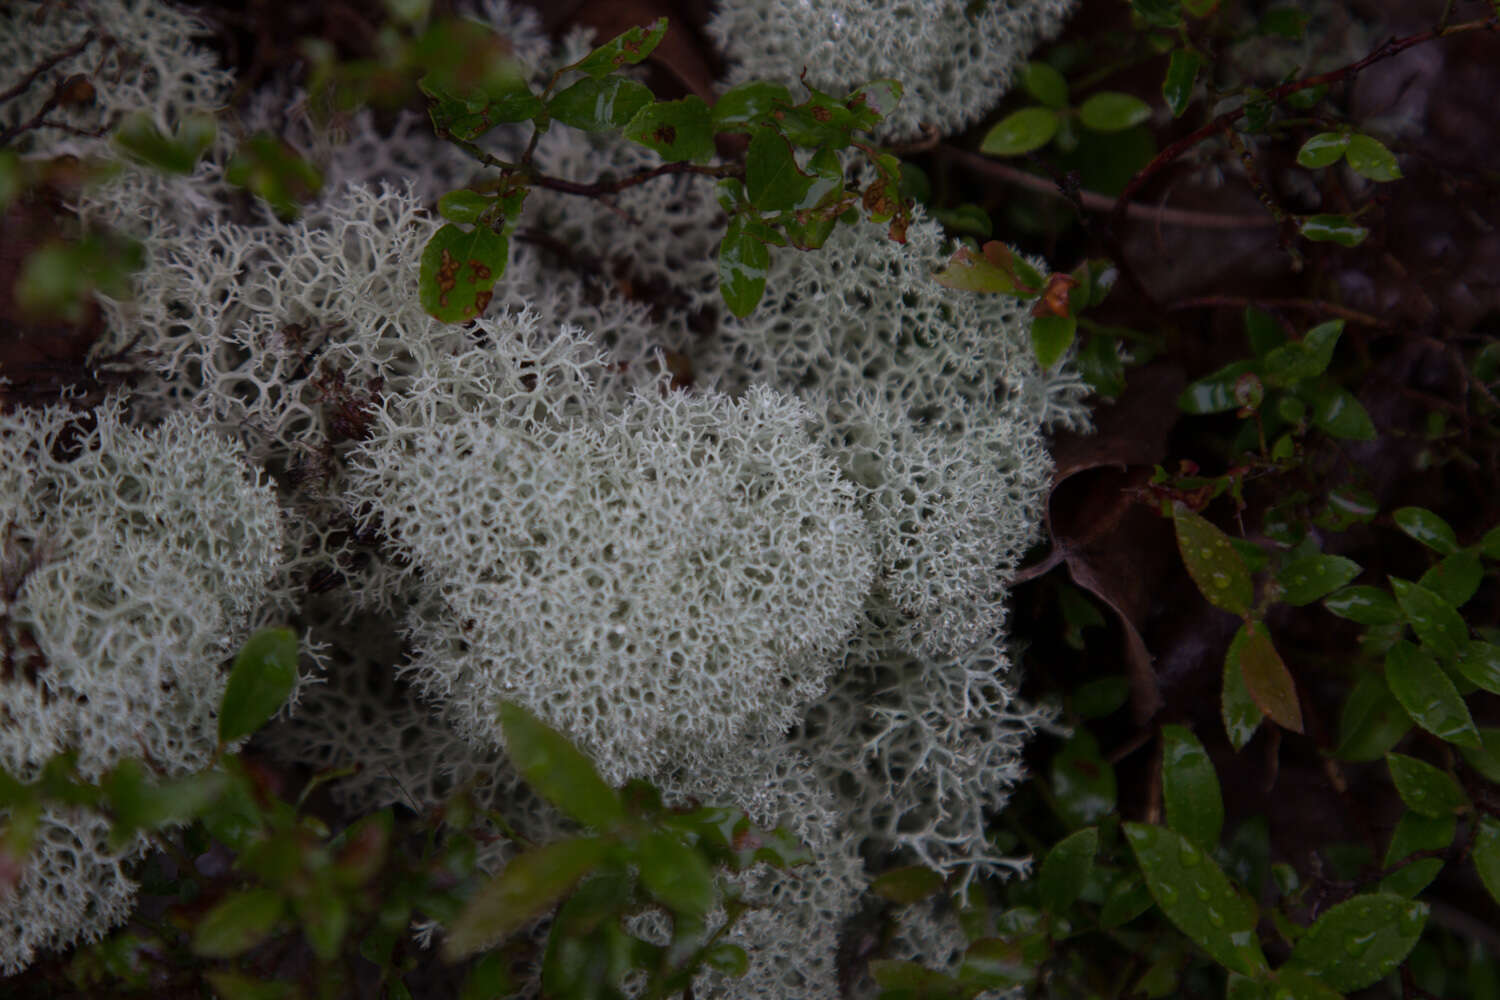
x=1428, y=696
x=1486, y=759
x=463, y=206
x=749, y=104
x=1020, y=132
x=1215, y=393
x=1338, y=229
x=1083, y=782
x=995, y=964
x=531, y=884
x=1371, y=722
x=773, y=180
x=1415, y=832
x=1427, y=528
x=1045, y=84
x=1197, y=897
x=1112, y=111
x=1337, y=413
x=1177, y=87
x=995, y=269
x=1213, y=562
x=626, y=48
x=1306, y=580
x=1127, y=900
x=1323, y=150
x=238, y=923
x=1455, y=578
x=1487, y=855
x=1360, y=941
x=1480, y=663
x=1240, y=713
x=907, y=885
x=744, y=263
x=1365, y=605
x=559, y=770
x=1368, y=157
x=264, y=674
x=1190, y=788
x=1267, y=679
x=1424, y=788
x=1436, y=622
x=676, y=130
x=459, y=270
x=1066, y=869
x=595, y=104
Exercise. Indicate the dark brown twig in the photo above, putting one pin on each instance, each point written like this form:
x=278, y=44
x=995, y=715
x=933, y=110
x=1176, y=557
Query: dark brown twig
x=26, y=81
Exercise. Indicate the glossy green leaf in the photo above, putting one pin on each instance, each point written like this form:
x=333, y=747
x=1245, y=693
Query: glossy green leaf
x=1427, y=528
x=1337, y=413
x=238, y=923
x=1066, y=869
x=1424, y=788
x=910, y=884
x=559, y=770
x=595, y=104
x=1485, y=759
x=773, y=180
x=627, y=48
x=873, y=103
x=1360, y=941
x=1365, y=605
x=730, y=839
x=1371, y=721
x=1428, y=696
x=1369, y=158
x=676, y=875
x=1486, y=855
x=1308, y=579
x=529, y=885
x=1456, y=578
x=138, y=137
x=1177, y=86
x=1101, y=367
x=1127, y=900
x=744, y=263
x=466, y=115
x=1238, y=710
x=1112, y=111
x=1190, y=787
x=820, y=120
x=459, y=270
x=1267, y=679
x=264, y=674
x=1020, y=132
x=996, y=964
x=1436, y=622
x=1298, y=360
x=1083, y=782
x=1323, y=150
x=677, y=130
x=1213, y=562
x=749, y=104
x=1197, y=897
x=1045, y=84
x=464, y=206
x=1215, y=393
x=1051, y=336
x=1338, y=229
x=1415, y=832
x=1480, y=663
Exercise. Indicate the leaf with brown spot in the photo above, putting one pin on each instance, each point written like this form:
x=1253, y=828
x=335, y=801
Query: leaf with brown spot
x=459, y=270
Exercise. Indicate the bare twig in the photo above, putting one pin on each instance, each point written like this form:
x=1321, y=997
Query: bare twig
x=26, y=81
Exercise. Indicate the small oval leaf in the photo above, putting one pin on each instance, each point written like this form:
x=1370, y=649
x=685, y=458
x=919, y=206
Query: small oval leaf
x=1213, y=562
x=1437, y=623
x=1323, y=150
x=907, y=885
x=1360, y=941
x=1428, y=696
x=1045, y=84
x=1239, y=711
x=1415, y=832
x=459, y=270
x=1267, y=678
x=1338, y=229
x=1112, y=111
x=559, y=770
x=1368, y=157
x=594, y=105
x=1365, y=605
x=677, y=130
x=1190, y=788
x=1177, y=86
x=1427, y=528
x=1305, y=580
x=1066, y=870
x=1424, y=788
x=627, y=48
x=744, y=263
x=238, y=923
x=264, y=674
x=1083, y=782
x=1020, y=132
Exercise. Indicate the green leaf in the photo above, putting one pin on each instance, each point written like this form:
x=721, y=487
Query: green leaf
x=1424, y=788
x=1286, y=22
x=1267, y=679
x=1066, y=869
x=873, y=103
x=727, y=959
x=1306, y=580
x=902, y=980
x=1427, y=528
x=489, y=979
x=1369, y=158
x=1020, y=132
x=1338, y=229
x=1480, y=663
x=58, y=279
x=1240, y=713
x=1323, y=150
x=588, y=954
x=139, y=138
x=995, y=269
x=627, y=48
x=1158, y=13
x=1490, y=543
x=1112, y=111
x=464, y=206
x=1083, y=782
x=1415, y=832
x=324, y=917
x=1045, y=84
x=821, y=120
x=1098, y=698
x=1197, y=897
x=459, y=271
x=264, y=674
x=238, y=923
x=273, y=171
x=749, y=104
x=236, y=986
x=1365, y=605
x=1215, y=393
x=676, y=130
x=1338, y=414
x=773, y=180
x=1428, y=696
x=136, y=805
x=559, y=770
x=910, y=884
x=1455, y=578
x=1307, y=358
x=995, y=964
x=1360, y=941
x=1436, y=622
x=1486, y=759
x=1190, y=788
x=1263, y=332
x=1051, y=336
x=1213, y=562
x=530, y=884
x=1100, y=365
x=1487, y=855
x=744, y=263
x=594, y=104
x=1177, y=87
x=1127, y=900
x=1371, y=722
x=468, y=114
x=676, y=874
